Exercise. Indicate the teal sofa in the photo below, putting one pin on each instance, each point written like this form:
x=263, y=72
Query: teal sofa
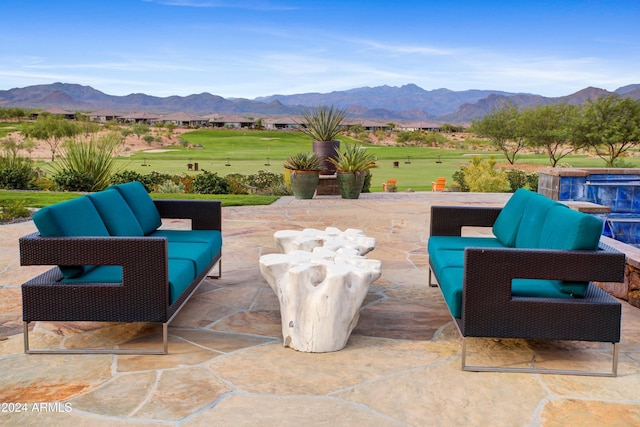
x=532, y=279
x=114, y=263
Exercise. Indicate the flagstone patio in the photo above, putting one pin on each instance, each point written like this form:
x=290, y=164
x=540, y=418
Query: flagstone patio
x=227, y=366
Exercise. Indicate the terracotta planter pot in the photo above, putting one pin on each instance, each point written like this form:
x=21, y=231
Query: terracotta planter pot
x=350, y=184
x=304, y=183
x=326, y=150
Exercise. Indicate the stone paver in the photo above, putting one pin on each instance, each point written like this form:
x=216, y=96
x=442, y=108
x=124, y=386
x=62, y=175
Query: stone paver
x=227, y=365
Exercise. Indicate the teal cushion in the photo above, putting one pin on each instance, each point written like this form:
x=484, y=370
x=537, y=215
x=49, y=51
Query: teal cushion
x=446, y=258
x=505, y=228
x=437, y=243
x=213, y=238
x=141, y=204
x=181, y=274
x=75, y=217
x=570, y=230
x=533, y=219
x=450, y=282
x=116, y=214
x=198, y=253
x=539, y=288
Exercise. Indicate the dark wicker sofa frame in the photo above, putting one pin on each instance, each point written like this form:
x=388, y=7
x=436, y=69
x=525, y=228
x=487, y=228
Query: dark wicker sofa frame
x=490, y=311
x=143, y=294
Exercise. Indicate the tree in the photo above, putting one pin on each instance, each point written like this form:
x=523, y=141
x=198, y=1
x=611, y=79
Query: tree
x=502, y=126
x=50, y=129
x=610, y=125
x=140, y=129
x=549, y=127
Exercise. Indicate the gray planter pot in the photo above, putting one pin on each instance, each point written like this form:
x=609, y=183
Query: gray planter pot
x=326, y=150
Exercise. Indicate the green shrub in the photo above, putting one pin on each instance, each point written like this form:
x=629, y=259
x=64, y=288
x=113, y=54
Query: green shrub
x=264, y=180
x=170, y=187
x=73, y=180
x=532, y=181
x=210, y=183
x=458, y=178
x=517, y=179
x=16, y=172
x=483, y=177
x=237, y=183
x=12, y=209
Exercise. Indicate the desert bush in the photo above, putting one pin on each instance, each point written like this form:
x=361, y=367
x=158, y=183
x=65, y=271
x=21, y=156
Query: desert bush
x=483, y=176
x=458, y=178
x=170, y=187
x=532, y=181
x=517, y=179
x=12, y=209
x=210, y=183
x=74, y=180
x=16, y=172
x=94, y=158
x=237, y=183
x=264, y=180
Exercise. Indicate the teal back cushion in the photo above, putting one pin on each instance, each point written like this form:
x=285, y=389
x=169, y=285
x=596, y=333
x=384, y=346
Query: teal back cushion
x=116, y=214
x=505, y=228
x=570, y=230
x=76, y=217
x=533, y=219
x=141, y=204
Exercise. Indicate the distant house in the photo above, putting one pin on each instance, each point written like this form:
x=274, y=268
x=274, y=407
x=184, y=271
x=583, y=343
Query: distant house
x=145, y=118
x=69, y=115
x=281, y=123
x=184, y=120
x=229, y=121
x=368, y=125
x=426, y=126
x=103, y=116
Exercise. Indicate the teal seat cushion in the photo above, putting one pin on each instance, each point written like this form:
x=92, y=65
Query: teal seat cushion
x=198, y=253
x=181, y=274
x=116, y=214
x=450, y=282
x=532, y=221
x=446, y=258
x=141, y=205
x=72, y=218
x=213, y=238
x=437, y=243
x=505, y=228
x=539, y=288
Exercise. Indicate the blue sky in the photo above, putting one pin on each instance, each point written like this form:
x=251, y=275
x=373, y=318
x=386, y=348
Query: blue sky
x=251, y=48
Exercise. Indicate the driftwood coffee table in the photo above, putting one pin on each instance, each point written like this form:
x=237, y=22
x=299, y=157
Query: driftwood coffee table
x=321, y=280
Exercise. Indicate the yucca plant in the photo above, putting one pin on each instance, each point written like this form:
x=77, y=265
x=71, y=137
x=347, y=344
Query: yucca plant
x=322, y=123
x=354, y=158
x=303, y=162
x=94, y=158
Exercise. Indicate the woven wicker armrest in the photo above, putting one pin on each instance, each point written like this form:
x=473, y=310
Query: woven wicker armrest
x=144, y=278
x=204, y=214
x=489, y=310
x=449, y=220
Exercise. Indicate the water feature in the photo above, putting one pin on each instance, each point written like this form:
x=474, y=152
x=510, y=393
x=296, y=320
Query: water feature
x=619, y=189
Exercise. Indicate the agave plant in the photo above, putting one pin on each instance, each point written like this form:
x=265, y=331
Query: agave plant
x=354, y=158
x=322, y=123
x=303, y=162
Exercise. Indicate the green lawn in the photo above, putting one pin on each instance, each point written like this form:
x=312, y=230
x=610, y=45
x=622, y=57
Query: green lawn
x=40, y=199
x=246, y=152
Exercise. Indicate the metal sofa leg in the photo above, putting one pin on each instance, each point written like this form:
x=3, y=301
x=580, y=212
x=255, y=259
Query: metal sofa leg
x=165, y=346
x=431, y=284
x=612, y=373
x=219, y=275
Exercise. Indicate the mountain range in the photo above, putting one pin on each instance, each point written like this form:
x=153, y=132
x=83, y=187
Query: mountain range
x=408, y=102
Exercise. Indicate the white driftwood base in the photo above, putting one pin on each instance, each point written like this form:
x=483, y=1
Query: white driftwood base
x=331, y=238
x=320, y=295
